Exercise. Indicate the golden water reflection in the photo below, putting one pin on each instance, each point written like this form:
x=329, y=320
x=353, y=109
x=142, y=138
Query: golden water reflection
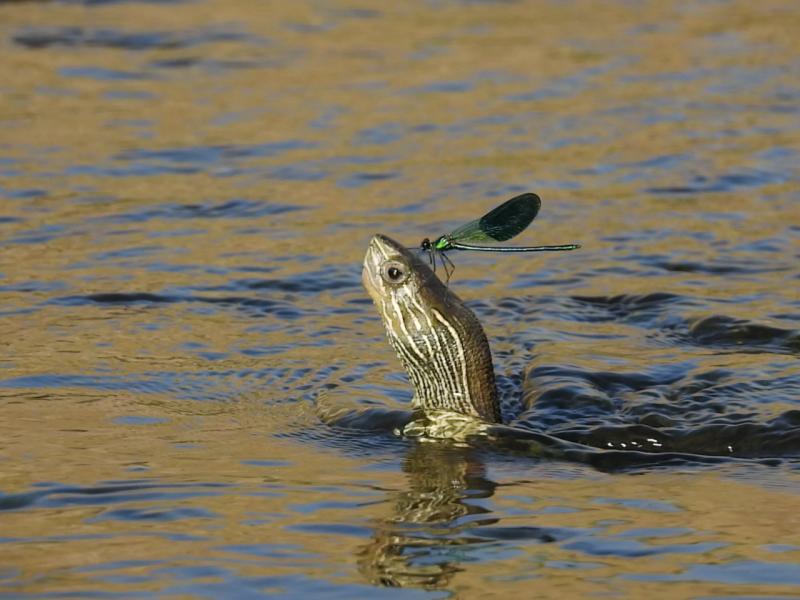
x=186, y=193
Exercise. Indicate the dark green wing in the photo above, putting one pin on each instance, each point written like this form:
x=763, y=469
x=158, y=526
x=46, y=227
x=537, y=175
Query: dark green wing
x=501, y=224
x=511, y=218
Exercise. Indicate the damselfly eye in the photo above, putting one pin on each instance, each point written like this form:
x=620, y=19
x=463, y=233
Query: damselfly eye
x=394, y=272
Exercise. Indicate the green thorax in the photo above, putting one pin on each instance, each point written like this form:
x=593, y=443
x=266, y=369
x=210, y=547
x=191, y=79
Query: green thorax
x=443, y=243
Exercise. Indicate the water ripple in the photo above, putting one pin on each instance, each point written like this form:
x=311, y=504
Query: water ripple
x=238, y=208
x=79, y=37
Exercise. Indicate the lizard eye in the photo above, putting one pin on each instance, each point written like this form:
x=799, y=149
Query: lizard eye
x=394, y=272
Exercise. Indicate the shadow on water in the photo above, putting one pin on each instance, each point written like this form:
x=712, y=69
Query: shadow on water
x=743, y=405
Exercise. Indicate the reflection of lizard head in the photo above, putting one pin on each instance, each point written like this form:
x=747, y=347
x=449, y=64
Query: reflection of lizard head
x=422, y=542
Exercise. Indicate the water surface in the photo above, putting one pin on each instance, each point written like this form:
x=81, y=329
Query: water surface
x=186, y=193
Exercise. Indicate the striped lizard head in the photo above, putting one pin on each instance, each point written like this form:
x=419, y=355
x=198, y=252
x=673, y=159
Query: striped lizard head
x=437, y=338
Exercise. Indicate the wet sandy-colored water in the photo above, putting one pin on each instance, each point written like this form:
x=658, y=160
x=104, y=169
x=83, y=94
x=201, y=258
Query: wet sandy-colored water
x=186, y=194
